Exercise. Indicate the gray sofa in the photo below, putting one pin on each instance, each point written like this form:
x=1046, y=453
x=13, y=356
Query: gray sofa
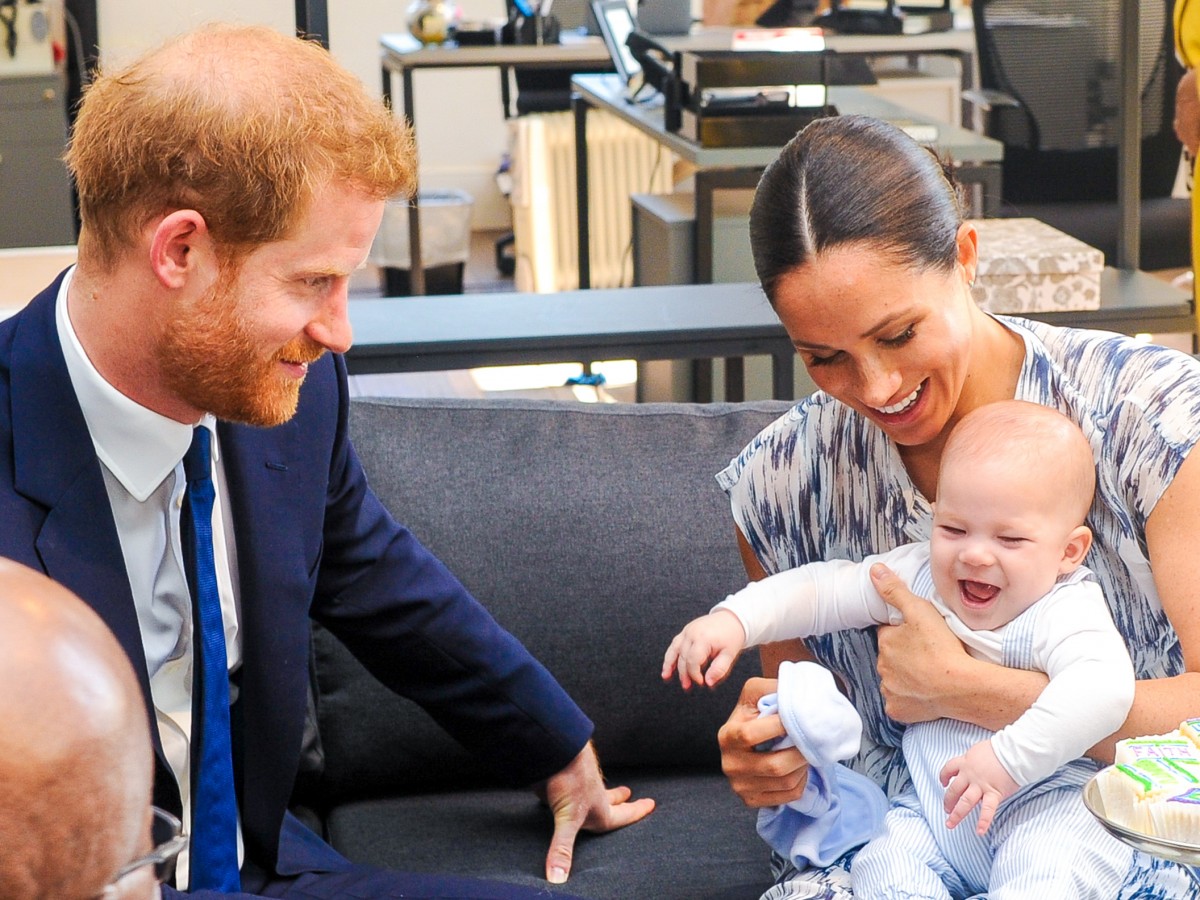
x=592, y=532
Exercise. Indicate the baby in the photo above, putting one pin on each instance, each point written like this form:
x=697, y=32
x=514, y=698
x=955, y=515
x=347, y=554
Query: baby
x=1004, y=567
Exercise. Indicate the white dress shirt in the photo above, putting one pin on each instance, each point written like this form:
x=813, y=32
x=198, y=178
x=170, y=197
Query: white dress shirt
x=141, y=456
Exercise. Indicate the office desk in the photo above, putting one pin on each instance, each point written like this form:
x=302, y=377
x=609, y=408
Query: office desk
x=424, y=334
x=724, y=168
x=420, y=334
x=402, y=54
x=957, y=43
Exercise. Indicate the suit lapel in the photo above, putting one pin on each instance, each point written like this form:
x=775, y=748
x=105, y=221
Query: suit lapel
x=263, y=484
x=55, y=466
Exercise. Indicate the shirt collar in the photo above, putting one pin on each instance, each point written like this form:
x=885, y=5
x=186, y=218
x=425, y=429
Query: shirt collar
x=139, y=446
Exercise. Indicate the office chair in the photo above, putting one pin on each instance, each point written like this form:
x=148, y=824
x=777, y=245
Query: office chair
x=1055, y=66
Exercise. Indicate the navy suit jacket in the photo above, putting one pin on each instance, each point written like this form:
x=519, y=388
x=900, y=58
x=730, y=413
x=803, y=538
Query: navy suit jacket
x=314, y=542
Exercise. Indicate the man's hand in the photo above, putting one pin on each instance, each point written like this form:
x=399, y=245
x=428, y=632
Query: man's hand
x=719, y=637
x=1187, y=112
x=915, y=656
x=975, y=779
x=579, y=800
x=759, y=779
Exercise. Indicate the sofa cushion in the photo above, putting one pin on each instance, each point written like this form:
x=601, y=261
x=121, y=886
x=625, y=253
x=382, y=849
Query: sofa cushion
x=592, y=532
x=699, y=843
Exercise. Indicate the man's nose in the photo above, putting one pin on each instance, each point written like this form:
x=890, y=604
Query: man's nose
x=331, y=328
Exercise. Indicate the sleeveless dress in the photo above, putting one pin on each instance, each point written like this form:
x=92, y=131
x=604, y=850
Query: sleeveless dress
x=823, y=482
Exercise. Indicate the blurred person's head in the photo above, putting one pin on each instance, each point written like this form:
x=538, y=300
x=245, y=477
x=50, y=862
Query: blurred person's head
x=76, y=763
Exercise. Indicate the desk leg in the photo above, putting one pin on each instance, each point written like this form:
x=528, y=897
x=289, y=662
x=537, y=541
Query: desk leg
x=972, y=114
x=783, y=375
x=992, y=185
x=416, y=268
x=708, y=182
x=506, y=91
x=580, y=107
x=989, y=177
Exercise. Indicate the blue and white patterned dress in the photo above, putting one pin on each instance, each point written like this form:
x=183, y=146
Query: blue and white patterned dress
x=823, y=482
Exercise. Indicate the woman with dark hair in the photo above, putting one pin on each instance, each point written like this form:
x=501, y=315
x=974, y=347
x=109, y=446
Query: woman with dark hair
x=860, y=245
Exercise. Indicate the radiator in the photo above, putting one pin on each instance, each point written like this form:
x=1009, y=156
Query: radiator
x=621, y=161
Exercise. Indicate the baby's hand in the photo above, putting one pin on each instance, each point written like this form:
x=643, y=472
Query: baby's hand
x=718, y=637
x=975, y=779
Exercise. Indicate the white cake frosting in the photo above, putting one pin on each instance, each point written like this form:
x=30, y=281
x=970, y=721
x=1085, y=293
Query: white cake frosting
x=1154, y=786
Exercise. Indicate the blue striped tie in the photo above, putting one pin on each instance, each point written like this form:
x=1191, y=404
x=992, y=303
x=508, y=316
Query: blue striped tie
x=214, y=862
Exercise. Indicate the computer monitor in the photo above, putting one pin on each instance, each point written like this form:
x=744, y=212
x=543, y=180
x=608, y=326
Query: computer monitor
x=616, y=24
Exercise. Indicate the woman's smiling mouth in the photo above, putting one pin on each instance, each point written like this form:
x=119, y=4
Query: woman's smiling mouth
x=904, y=404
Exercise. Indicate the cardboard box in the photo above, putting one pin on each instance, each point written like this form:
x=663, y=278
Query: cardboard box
x=1027, y=266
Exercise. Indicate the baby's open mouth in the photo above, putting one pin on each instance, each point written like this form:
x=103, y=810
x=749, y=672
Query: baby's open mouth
x=977, y=593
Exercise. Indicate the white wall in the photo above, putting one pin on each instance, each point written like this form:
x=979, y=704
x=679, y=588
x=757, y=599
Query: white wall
x=461, y=133
x=460, y=126
x=128, y=27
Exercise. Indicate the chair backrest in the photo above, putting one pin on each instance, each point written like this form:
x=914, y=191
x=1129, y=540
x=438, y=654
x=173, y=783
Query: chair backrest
x=1060, y=61
x=593, y=532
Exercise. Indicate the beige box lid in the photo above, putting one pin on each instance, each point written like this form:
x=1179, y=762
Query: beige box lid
x=1031, y=247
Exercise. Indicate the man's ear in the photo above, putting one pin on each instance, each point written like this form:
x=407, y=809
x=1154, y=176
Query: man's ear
x=1079, y=542
x=180, y=247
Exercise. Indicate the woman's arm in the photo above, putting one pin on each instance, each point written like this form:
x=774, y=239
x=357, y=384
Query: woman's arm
x=761, y=779
x=1160, y=704
x=926, y=673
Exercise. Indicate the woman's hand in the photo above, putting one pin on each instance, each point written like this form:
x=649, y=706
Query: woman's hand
x=925, y=672
x=917, y=656
x=760, y=778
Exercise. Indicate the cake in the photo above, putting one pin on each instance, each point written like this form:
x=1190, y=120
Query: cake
x=1177, y=818
x=1154, y=785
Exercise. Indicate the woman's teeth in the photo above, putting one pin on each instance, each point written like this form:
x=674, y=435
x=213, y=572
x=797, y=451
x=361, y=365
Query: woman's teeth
x=903, y=404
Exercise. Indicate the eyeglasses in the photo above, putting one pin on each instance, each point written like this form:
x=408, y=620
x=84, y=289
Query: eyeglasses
x=167, y=833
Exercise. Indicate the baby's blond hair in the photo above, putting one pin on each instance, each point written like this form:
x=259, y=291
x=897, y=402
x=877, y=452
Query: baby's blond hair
x=1035, y=442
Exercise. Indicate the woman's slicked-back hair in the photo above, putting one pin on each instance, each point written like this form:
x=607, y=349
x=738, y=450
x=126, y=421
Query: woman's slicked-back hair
x=853, y=179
